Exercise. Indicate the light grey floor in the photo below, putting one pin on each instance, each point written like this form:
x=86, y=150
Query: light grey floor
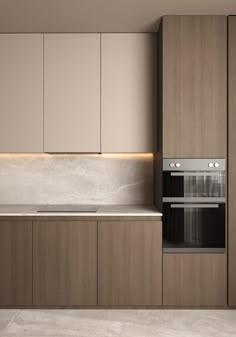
x=118, y=323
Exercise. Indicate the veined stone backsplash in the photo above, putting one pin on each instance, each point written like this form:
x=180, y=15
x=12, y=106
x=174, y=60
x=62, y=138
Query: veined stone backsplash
x=76, y=179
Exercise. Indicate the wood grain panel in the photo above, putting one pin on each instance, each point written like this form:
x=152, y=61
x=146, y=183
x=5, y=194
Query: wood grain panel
x=157, y=162
x=15, y=263
x=72, y=93
x=194, y=279
x=65, y=262
x=232, y=163
x=129, y=263
x=21, y=93
x=194, y=86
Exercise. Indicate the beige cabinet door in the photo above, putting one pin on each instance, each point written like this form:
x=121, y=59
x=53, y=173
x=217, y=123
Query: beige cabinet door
x=21, y=93
x=232, y=162
x=128, y=92
x=194, y=86
x=15, y=263
x=129, y=263
x=65, y=262
x=71, y=92
x=194, y=279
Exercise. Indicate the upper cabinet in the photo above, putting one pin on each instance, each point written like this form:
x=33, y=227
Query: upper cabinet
x=72, y=93
x=193, y=80
x=65, y=93
x=128, y=92
x=21, y=93
x=97, y=92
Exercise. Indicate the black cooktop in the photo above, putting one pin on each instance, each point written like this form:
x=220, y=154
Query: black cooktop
x=68, y=208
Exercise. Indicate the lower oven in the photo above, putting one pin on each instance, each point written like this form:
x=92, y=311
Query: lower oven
x=193, y=205
x=192, y=227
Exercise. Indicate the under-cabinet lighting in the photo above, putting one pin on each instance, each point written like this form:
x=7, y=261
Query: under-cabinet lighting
x=105, y=155
x=127, y=155
x=29, y=155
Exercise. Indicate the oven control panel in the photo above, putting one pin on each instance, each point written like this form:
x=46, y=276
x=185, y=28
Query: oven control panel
x=194, y=164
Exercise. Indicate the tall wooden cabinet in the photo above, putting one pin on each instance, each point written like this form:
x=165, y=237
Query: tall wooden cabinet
x=232, y=161
x=21, y=92
x=192, y=78
x=71, y=92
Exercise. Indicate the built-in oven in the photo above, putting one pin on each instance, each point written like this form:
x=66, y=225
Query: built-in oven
x=194, y=205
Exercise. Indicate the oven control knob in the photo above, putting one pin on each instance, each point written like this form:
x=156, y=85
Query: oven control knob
x=172, y=164
x=217, y=165
x=177, y=164
x=210, y=164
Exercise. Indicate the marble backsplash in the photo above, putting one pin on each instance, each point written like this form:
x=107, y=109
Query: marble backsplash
x=76, y=179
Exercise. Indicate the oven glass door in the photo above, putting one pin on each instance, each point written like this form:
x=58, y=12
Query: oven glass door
x=186, y=184
x=193, y=226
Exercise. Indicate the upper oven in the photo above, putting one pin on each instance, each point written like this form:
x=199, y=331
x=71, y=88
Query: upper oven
x=189, y=180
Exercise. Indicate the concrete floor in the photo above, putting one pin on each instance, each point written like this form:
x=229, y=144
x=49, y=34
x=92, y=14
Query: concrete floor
x=118, y=323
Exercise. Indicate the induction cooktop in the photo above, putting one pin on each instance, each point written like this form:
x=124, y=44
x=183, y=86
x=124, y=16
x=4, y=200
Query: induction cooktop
x=68, y=208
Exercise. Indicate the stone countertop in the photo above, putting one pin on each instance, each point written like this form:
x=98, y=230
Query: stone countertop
x=103, y=211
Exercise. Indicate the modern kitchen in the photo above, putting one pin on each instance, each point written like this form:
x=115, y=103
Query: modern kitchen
x=117, y=174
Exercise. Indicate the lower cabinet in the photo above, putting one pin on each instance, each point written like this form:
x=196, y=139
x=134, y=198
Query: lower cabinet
x=65, y=263
x=129, y=263
x=109, y=263
x=194, y=279
x=15, y=263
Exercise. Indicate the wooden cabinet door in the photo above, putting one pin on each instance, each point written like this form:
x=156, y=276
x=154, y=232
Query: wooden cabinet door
x=71, y=92
x=129, y=263
x=128, y=92
x=194, y=279
x=21, y=93
x=15, y=263
x=65, y=263
x=194, y=86
x=232, y=163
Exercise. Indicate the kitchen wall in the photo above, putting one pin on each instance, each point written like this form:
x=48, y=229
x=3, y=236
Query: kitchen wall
x=73, y=179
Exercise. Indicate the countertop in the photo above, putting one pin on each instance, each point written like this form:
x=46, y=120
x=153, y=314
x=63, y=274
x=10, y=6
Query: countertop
x=146, y=211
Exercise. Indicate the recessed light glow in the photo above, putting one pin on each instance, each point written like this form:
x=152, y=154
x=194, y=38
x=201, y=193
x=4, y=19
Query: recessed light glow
x=14, y=155
x=71, y=155
x=127, y=155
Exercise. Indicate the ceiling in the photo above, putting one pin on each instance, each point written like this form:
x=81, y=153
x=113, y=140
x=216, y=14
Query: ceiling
x=100, y=15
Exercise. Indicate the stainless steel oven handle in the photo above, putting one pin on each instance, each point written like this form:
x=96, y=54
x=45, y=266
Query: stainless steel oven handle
x=195, y=200
x=194, y=205
x=194, y=174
